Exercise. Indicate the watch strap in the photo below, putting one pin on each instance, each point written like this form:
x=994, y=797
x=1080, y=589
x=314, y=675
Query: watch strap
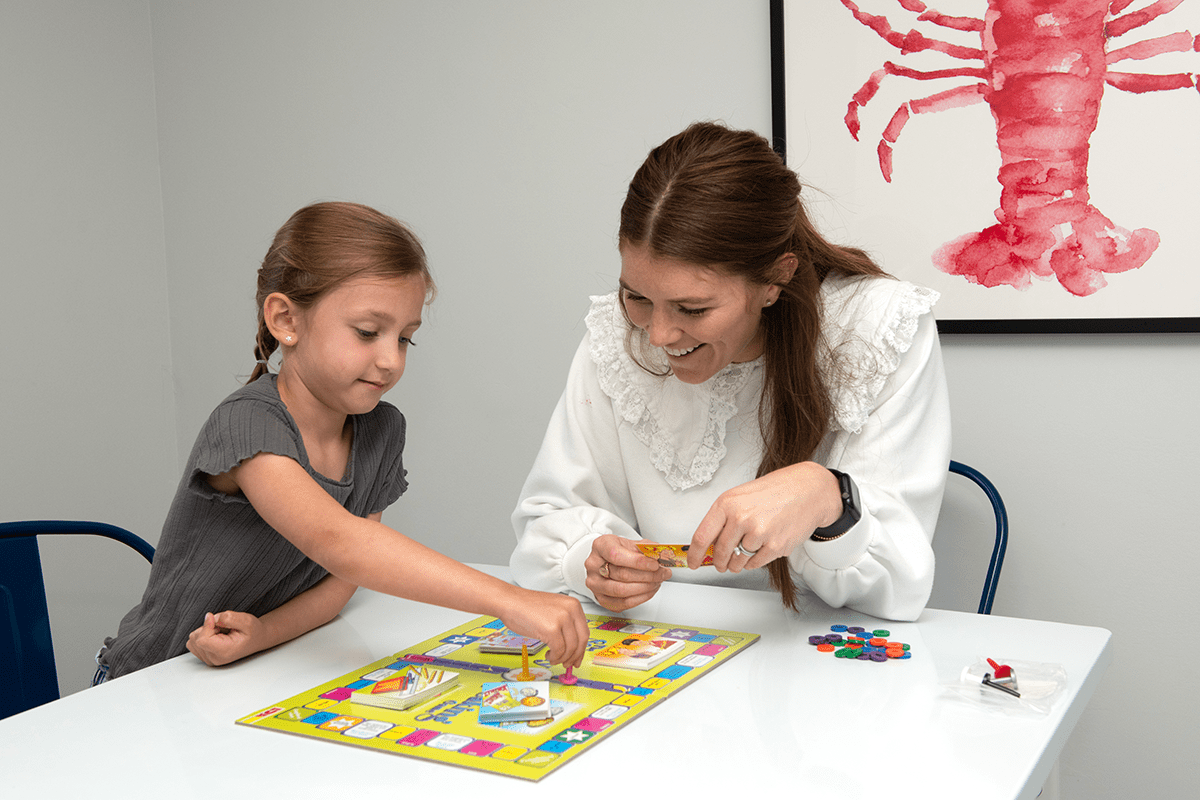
x=851, y=510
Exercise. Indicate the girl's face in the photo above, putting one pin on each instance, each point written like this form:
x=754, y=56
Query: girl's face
x=351, y=344
x=702, y=320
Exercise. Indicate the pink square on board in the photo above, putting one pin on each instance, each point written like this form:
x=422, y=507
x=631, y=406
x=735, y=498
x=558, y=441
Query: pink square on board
x=481, y=747
x=418, y=737
x=592, y=724
x=710, y=649
x=340, y=693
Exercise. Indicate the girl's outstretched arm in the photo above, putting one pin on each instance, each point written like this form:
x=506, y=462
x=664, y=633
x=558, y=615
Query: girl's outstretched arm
x=367, y=553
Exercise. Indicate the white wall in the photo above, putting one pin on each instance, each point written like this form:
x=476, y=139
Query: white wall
x=505, y=134
x=87, y=415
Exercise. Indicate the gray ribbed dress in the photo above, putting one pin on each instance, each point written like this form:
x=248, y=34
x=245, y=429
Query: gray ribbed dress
x=216, y=553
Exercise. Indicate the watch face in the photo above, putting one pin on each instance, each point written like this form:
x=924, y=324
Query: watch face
x=851, y=512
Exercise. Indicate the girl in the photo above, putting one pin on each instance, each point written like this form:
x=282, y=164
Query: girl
x=751, y=387
x=277, y=518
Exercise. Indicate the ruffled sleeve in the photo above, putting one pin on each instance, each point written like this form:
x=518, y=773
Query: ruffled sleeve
x=869, y=326
x=891, y=434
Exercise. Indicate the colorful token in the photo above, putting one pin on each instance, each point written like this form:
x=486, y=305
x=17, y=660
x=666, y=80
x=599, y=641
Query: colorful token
x=860, y=644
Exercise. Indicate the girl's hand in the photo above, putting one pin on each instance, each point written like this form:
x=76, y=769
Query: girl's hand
x=225, y=637
x=772, y=516
x=619, y=575
x=556, y=619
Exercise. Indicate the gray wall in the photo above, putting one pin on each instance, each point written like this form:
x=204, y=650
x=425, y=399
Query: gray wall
x=150, y=149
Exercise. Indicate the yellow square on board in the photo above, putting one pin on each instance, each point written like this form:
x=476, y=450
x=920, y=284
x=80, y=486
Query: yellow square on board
x=627, y=700
x=509, y=753
x=654, y=683
x=538, y=758
x=320, y=703
x=397, y=732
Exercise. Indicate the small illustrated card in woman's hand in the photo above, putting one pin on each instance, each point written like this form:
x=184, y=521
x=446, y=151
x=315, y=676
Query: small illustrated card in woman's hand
x=672, y=555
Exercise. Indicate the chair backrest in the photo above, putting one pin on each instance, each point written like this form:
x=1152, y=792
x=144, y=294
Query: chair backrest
x=28, y=677
x=1001, y=543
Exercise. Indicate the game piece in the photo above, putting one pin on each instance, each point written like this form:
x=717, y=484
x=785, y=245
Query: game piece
x=526, y=675
x=414, y=686
x=447, y=729
x=514, y=701
x=637, y=652
x=532, y=674
x=568, y=677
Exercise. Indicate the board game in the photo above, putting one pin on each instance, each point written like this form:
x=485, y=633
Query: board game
x=446, y=727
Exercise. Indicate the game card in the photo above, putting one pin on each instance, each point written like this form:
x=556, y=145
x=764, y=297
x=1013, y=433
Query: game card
x=672, y=555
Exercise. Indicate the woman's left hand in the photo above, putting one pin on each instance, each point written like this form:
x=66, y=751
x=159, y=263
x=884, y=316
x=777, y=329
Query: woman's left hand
x=768, y=517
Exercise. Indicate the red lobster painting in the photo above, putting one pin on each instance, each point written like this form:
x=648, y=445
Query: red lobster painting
x=1041, y=67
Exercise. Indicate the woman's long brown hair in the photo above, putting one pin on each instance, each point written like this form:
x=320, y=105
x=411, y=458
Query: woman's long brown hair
x=723, y=199
x=324, y=245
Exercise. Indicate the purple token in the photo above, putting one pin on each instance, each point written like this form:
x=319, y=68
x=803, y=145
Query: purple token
x=855, y=629
x=877, y=657
x=816, y=640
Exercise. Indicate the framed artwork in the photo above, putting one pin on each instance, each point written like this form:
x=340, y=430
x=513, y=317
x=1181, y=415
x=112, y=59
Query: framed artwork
x=1035, y=163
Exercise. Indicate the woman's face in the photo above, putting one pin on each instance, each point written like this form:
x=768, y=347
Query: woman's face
x=701, y=319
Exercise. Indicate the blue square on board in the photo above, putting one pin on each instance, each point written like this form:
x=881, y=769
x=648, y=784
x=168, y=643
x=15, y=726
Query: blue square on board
x=672, y=672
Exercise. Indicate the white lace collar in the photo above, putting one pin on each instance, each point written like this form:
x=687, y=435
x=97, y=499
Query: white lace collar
x=683, y=425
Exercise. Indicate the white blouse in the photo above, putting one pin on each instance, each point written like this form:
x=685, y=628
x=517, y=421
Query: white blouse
x=637, y=455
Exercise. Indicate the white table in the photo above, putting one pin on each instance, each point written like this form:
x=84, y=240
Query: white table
x=779, y=716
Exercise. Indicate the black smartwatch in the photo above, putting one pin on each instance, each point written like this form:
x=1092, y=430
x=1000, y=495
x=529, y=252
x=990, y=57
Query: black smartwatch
x=851, y=510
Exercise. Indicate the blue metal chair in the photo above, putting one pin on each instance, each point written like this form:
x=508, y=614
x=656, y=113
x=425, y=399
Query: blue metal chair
x=28, y=677
x=1001, y=545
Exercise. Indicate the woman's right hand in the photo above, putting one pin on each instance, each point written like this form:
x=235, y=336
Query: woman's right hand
x=619, y=575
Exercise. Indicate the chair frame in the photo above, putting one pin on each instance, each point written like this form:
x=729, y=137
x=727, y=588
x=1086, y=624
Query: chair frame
x=1001, y=544
x=23, y=606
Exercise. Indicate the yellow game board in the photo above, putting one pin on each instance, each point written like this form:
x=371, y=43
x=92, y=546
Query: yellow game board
x=446, y=728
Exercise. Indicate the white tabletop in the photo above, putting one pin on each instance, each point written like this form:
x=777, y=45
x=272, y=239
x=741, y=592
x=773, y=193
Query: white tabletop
x=777, y=716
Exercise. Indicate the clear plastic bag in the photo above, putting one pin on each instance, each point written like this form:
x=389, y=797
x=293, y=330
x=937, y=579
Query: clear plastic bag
x=1039, y=685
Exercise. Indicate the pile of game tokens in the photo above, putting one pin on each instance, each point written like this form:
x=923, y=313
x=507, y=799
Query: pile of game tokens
x=860, y=644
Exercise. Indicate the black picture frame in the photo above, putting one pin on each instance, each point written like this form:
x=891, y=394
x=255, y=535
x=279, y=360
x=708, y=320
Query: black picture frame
x=1039, y=325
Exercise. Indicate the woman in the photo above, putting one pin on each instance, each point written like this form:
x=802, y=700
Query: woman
x=751, y=387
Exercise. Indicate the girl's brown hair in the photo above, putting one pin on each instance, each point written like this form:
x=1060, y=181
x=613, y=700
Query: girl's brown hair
x=723, y=199
x=323, y=245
